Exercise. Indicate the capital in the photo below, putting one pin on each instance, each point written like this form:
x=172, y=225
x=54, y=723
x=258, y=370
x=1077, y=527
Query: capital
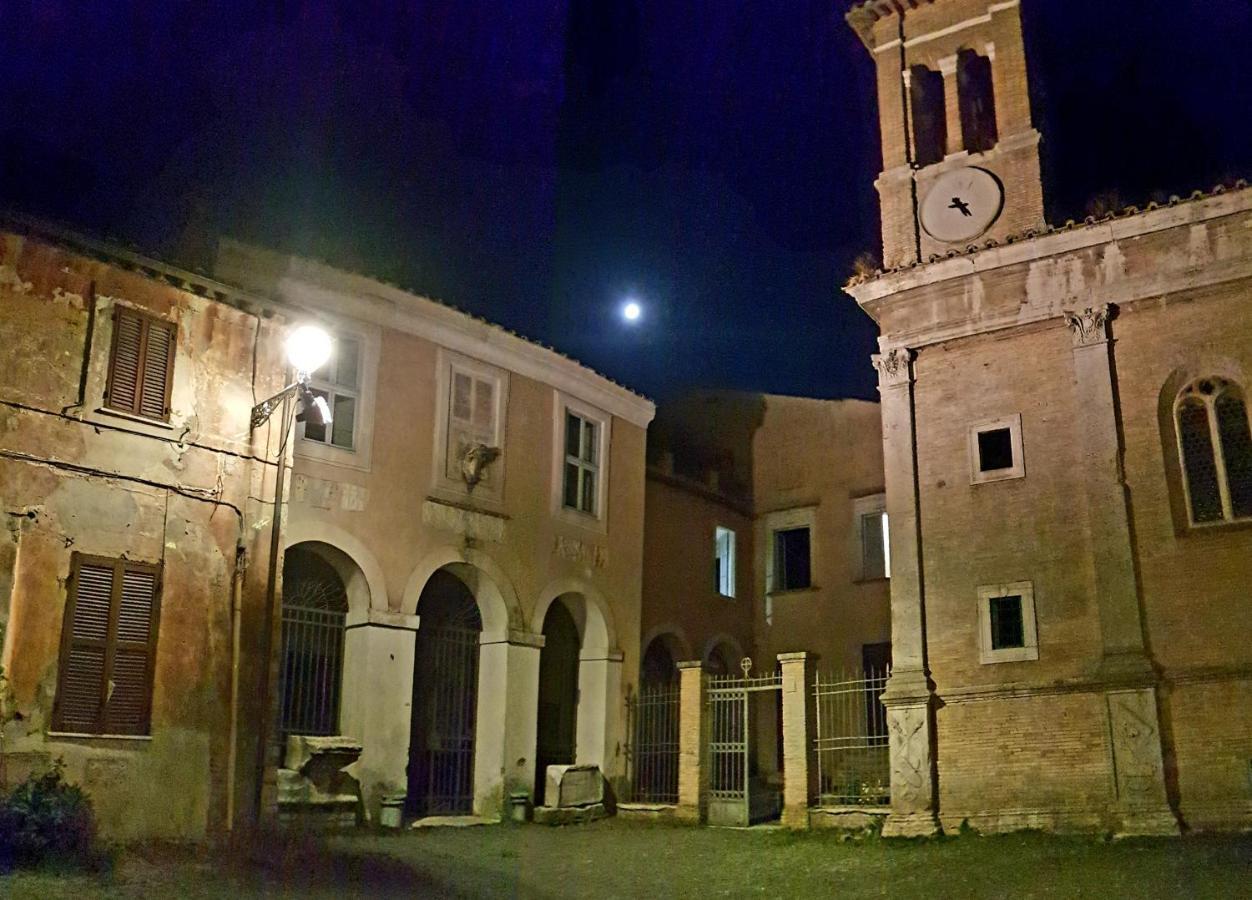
x=895, y=366
x=1090, y=326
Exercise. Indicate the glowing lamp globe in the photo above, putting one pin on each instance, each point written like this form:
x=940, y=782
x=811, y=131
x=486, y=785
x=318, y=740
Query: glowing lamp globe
x=308, y=349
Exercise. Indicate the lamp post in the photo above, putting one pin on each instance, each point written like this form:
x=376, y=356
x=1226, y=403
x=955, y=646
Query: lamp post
x=308, y=349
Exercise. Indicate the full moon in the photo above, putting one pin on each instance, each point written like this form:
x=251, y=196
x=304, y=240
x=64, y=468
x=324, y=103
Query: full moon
x=631, y=311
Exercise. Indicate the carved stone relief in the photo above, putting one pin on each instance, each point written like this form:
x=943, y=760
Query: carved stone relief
x=1136, y=747
x=1089, y=326
x=894, y=366
x=910, y=758
x=321, y=493
x=580, y=551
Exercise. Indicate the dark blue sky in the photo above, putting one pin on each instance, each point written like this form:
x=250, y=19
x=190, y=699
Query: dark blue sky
x=535, y=162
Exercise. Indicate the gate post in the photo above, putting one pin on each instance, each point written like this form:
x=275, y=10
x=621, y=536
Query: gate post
x=693, y=727
x=796, y=695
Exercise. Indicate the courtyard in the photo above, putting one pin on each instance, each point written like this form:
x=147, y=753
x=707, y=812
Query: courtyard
x=615, y=858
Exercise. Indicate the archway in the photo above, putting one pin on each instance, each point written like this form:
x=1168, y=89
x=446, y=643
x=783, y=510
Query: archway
x=558, y=693
x=445, y=699
x=659, y=665
x=316, y=579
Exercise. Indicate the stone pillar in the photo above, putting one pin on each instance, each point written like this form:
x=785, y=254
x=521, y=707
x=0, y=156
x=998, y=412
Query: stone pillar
x=909, y=697
x=1133, y=719
x=599, y=711
x=797, y=697
x=506, y=726
x=951, y=106
x=376, y=705
x=693, y=725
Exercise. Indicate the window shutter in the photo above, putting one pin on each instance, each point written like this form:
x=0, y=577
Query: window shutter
x=141, y=365
x=81, y=692
x=108, y=647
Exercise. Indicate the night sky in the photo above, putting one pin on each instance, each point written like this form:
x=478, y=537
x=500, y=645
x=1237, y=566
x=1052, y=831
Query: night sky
x=537, y=162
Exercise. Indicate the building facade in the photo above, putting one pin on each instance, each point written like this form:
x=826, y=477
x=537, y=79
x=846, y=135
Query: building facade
x=138, y=506
x=464, y=546
x=1068, y=464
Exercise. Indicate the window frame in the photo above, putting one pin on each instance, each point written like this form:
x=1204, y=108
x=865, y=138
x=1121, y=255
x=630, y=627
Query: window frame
x=369, y=343
x=1017, y=470
x=147, y=321
x=1222, y=476
x=784, y=520
x=333, y=389
x=725, y=577
x=564, y=405
x=1029, y=651
x=67, y=642
x=863, y=507
x=490, y=493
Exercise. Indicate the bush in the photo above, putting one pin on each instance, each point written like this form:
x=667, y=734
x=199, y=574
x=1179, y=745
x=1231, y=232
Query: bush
x=46, y=819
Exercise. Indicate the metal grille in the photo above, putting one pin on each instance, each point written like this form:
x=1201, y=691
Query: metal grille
x=445, y=694
x=654, y=748
x=313, y=624
x=851, y=743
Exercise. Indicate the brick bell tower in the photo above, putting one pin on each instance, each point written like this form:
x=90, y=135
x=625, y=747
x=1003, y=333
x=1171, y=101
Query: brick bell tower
x=960, y=153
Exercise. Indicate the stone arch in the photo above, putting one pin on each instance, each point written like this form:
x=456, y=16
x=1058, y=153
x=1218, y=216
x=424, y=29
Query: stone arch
x=729, y=648
x=675, y=637
x=590, y=610
x=659, y=655
x=356, y=565
x=497, y=601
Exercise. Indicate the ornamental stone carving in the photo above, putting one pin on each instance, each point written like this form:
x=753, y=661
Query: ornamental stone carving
x=1136, y=747
x=1090, y=326
x=894, y=367
x=578, y=551
x=910, y=758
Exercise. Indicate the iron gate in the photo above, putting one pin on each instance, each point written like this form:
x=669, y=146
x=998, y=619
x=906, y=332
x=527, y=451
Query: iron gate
x=445, y=703
x=314, y=610
x=653, y=752
x=737, y=796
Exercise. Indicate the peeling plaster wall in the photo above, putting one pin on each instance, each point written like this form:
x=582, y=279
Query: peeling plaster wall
x=75, y=477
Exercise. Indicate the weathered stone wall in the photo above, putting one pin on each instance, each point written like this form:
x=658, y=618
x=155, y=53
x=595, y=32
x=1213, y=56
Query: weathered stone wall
x=74, y=477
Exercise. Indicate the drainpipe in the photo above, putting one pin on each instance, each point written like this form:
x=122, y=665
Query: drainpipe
x=236, y=617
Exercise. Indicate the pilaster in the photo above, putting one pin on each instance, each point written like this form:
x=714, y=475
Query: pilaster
x=506, y=733
x=909, y=697
x=693, y=724
x=951, y=105
x=1134, y=722
x=798, y=786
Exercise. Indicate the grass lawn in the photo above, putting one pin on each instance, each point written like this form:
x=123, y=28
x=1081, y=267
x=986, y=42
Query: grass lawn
x=621, y=859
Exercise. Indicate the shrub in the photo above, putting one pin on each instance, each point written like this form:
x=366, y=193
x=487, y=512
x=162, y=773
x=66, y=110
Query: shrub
x=46, y=819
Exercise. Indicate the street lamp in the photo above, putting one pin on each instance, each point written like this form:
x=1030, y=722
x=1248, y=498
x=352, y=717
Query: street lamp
x=308, y=349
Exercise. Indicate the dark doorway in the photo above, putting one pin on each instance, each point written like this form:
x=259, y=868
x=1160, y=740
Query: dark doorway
x=445, y=700
x=658, y=664
x=315, y=606
x=558, y=693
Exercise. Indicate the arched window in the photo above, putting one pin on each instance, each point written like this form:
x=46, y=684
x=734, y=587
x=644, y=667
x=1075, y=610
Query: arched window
x=315, y=606
x=1215, y=447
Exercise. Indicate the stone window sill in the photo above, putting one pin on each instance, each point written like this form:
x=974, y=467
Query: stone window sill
x=131, y=417
x=794, y=592
x=87, y=736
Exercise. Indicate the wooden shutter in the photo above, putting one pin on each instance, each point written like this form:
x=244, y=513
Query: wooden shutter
x=108, y=647
x=141, y=364
x=471, y=418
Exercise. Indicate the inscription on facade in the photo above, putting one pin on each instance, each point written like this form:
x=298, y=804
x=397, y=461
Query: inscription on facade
x=580, y=551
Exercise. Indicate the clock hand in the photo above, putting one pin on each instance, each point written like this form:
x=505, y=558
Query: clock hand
x=958, y=203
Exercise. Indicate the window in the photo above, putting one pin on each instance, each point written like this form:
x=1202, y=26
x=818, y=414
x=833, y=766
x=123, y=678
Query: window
x=976, y=98
x=108, y=645
x=995, y=450
x=141, y=364
x=338, y=383
x=1215, y=446
x=580, y=482
x=930, y=125
x=473, y=413
x=1006, y=616
x=873, y=538
x=791, y=559
x=724, y=561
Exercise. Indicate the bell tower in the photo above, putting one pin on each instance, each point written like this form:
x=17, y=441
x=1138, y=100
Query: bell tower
x=960, y=152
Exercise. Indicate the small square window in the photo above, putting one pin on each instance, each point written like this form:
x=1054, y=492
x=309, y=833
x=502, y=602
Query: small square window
x=1006, y=623
x=995, y=450
x=792, y=570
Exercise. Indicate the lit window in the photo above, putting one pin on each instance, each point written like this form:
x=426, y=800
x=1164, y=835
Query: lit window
x=792, y=565
x=1006, y=617
x=995, y=450
x=337, y=383
x=1215, y=445
x=724, y=559
x=580, y=482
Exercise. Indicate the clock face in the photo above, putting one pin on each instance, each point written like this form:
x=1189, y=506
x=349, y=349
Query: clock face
x=961, y=204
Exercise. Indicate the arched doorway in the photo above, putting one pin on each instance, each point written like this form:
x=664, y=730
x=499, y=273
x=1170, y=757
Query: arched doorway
x=558, y=693
x=719, y=660
x=659, y=667
x=445, y=699
x=315, y=606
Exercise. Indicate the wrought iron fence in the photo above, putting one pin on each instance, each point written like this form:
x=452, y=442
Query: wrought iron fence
x=654, y=744
x=731, y=723
x=851, y=744
x=312, y=666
